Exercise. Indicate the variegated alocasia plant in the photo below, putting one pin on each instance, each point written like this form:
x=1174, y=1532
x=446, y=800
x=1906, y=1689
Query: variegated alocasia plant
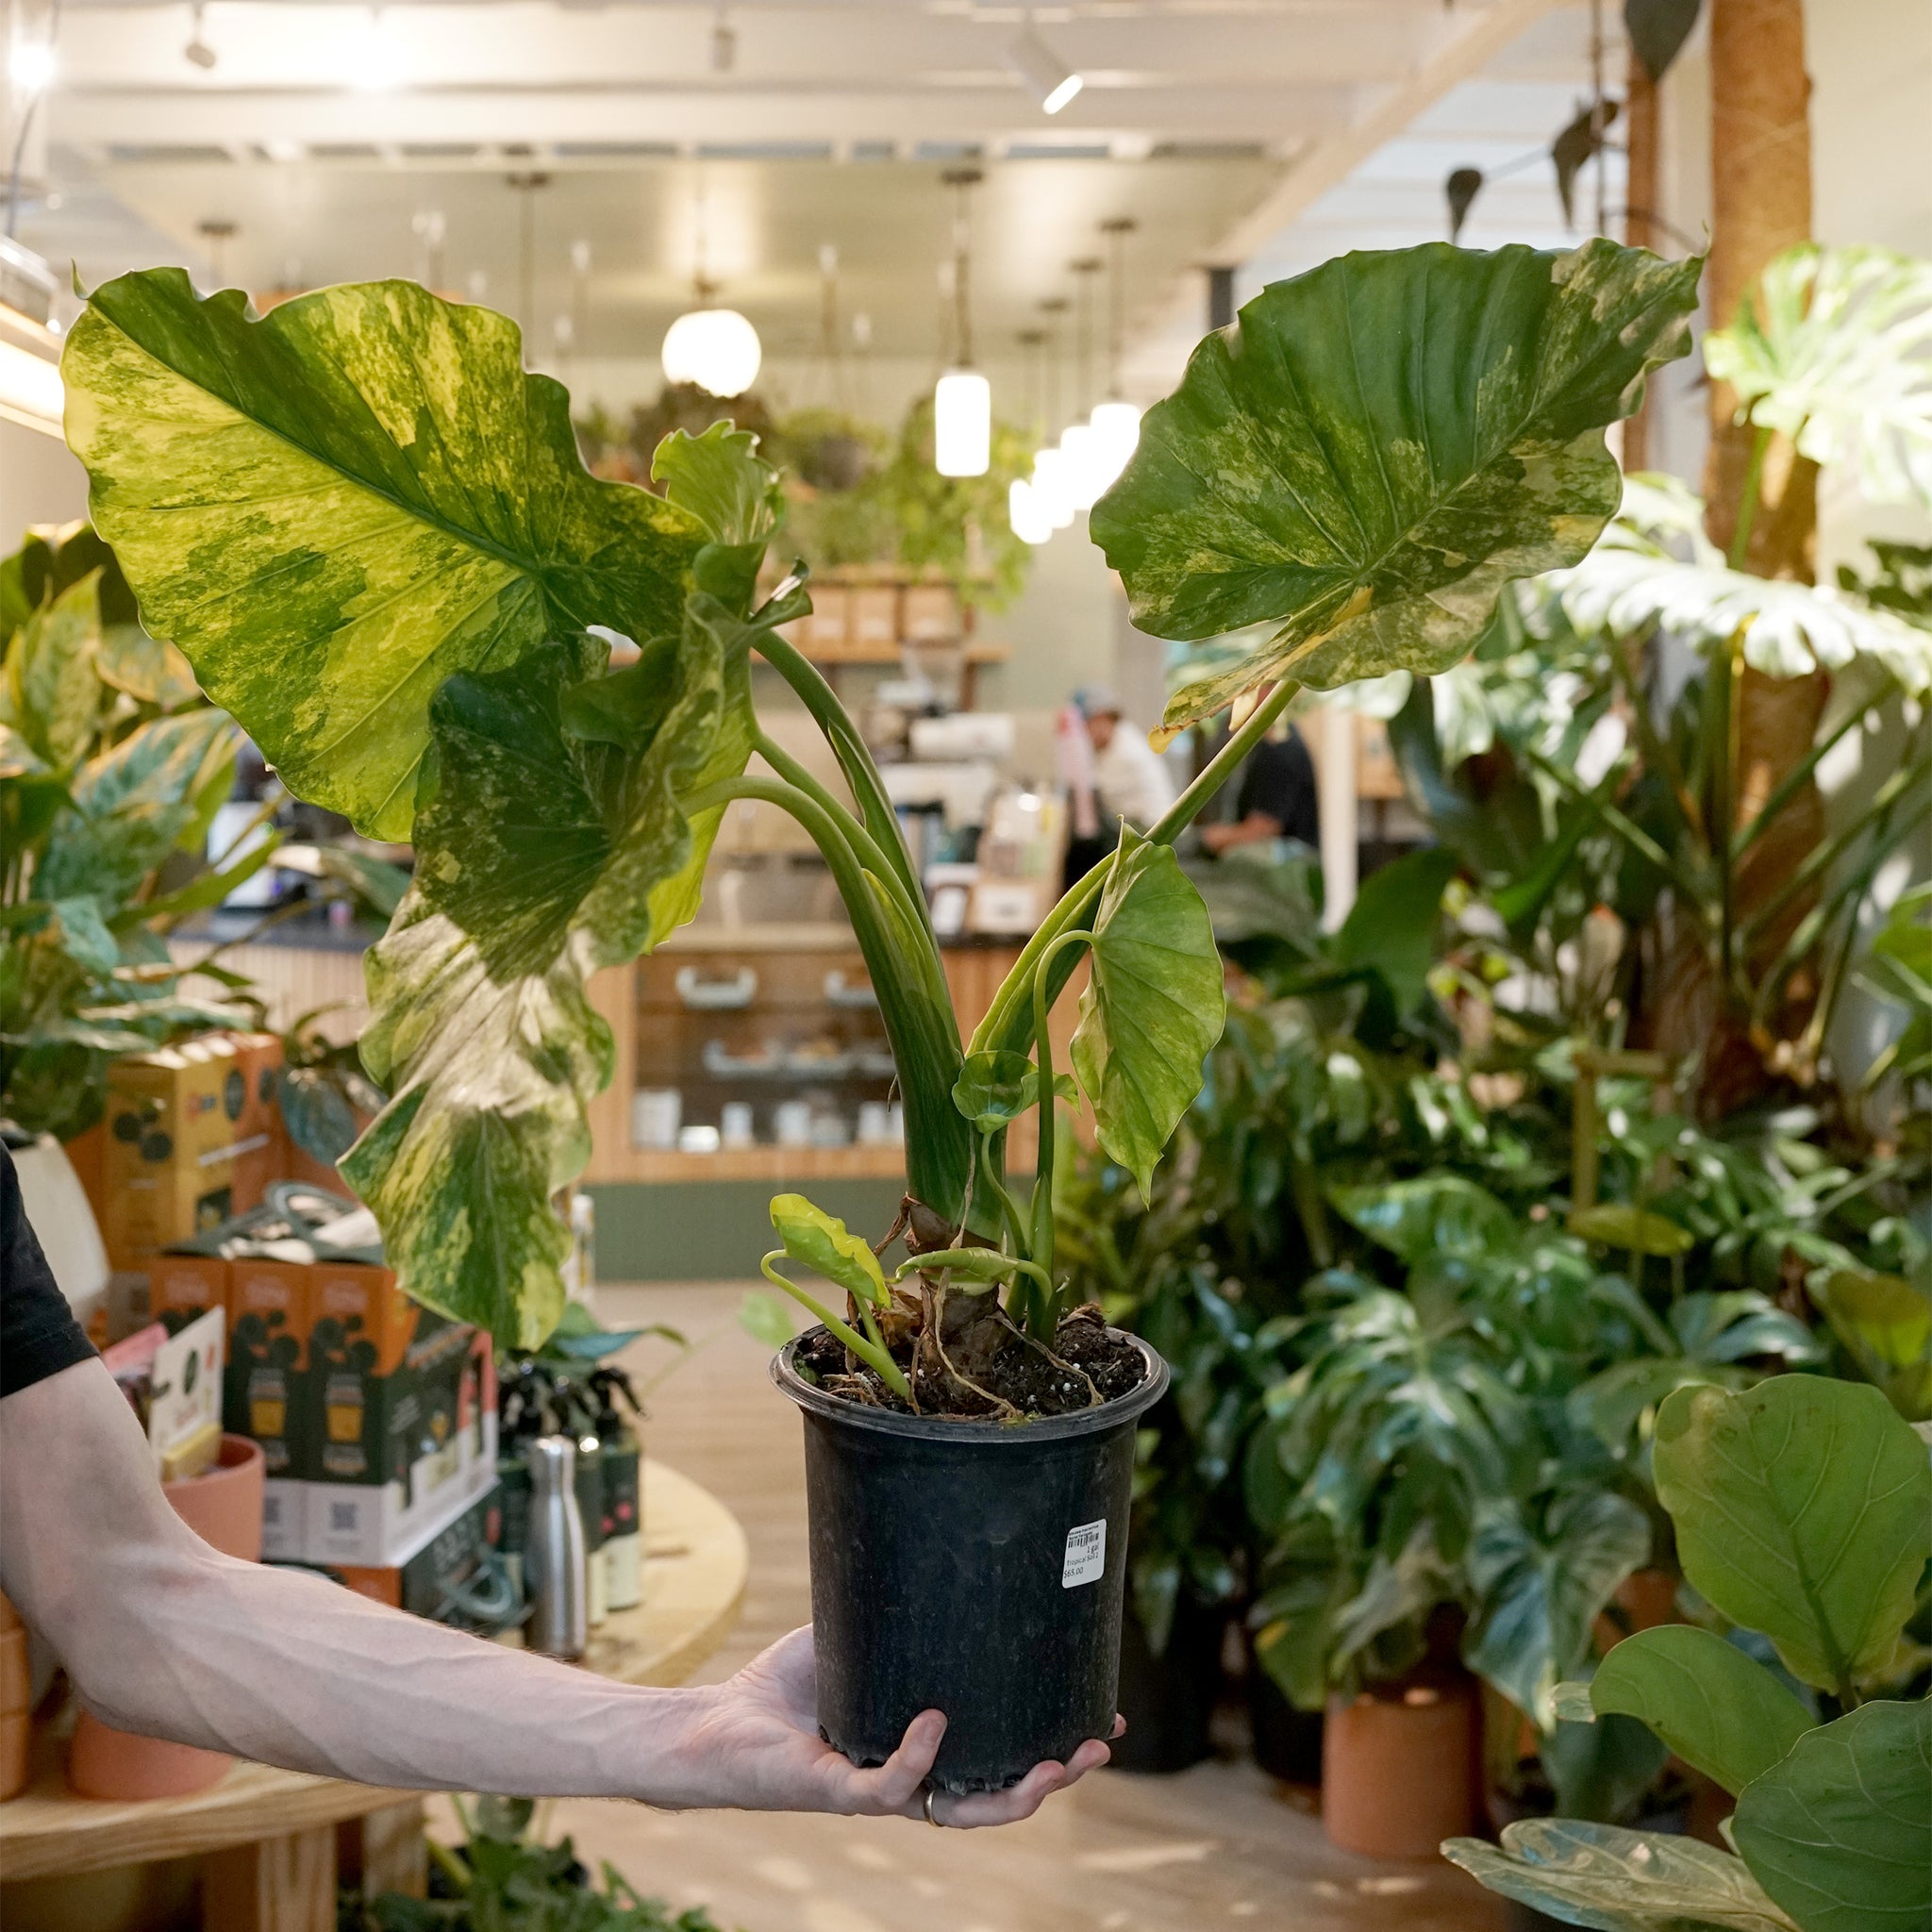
x=367, y=527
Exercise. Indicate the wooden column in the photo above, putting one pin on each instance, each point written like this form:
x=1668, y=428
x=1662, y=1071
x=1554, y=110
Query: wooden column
x=1640, y=228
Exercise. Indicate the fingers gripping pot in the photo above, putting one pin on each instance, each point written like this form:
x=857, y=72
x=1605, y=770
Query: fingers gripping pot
x=973, y=1568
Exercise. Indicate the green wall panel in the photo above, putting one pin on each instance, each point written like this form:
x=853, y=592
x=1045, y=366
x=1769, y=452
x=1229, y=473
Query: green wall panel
x=715, y=1231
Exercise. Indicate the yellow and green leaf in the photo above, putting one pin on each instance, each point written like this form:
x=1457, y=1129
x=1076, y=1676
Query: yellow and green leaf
x=334, y=508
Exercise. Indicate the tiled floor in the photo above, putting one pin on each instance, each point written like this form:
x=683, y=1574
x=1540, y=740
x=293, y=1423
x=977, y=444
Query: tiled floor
x=1222, y=1845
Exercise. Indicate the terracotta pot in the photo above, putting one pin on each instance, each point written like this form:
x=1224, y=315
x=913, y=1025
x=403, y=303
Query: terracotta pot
x=1646, y=1598
x=1400, y=1767
x=222, y=1508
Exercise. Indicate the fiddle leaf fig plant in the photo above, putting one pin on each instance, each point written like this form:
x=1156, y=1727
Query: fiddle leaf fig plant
x=367, y=529
x=1804, y=1513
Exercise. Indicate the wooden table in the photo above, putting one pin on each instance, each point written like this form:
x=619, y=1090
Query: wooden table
x=270, y=1836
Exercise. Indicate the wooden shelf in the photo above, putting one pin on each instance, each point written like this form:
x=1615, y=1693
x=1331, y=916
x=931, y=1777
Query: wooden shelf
x=695, y=1567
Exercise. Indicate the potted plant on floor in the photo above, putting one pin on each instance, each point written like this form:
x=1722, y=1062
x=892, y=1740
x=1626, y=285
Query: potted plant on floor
x=369, y=529
x=1804, y=1516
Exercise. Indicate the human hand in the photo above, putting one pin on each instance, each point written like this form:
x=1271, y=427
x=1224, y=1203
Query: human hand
x=757, y=1747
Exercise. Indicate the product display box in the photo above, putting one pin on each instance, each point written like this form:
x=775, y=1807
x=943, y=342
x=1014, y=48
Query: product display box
x=444, y=1562
x=377, y=1416
x=193, y=1135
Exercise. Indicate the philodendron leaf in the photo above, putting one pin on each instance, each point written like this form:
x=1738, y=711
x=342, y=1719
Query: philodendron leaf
x=1538, y=1595
x=1619, y=1881
x=723, y=481
x=1378, y=446
x=1833, y=347
x=148, y=669
x=1839, y=1832
x=1885, y=1321
x=1392, y=925
x=132, y=804
x=996, y=1087
x=1153, y=1007
x=539, y=859
x=52, y=693
x=1721, y=1711
x=1435, y=1214
x=1803, y=1509
x=332, y=508
x=820, y=1241
x=489, y=1079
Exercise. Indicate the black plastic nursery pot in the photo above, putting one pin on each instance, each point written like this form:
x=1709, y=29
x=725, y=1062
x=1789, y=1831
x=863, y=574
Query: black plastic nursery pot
x=1168, y=1700
x=973, y=1568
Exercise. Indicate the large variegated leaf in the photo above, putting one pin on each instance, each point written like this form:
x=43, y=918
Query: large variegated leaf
x=540, y=857
x=1377, y=447
x=333, y=508
x=1614, y=1880
x=1834, y=348
x=1635, y=580
x=1803, y=1509
x=50, y=692
x=488, y=1081
x=1839, y=1831
x=1153, y=1008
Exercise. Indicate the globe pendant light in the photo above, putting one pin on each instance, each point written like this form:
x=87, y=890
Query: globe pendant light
x=714, y=349
x=962, y=399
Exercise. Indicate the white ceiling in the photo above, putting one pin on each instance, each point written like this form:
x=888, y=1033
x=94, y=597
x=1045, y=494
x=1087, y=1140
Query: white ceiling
x=1268, y=133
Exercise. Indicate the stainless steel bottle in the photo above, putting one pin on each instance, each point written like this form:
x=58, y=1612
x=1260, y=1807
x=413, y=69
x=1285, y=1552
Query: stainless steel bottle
x=554, y=1575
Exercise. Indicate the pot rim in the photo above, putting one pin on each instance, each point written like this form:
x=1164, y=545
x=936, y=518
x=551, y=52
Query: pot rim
x=927, y=1428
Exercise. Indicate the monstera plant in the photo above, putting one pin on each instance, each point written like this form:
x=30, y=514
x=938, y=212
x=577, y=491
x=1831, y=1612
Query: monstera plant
x=1803, y=1517
x=367, y=529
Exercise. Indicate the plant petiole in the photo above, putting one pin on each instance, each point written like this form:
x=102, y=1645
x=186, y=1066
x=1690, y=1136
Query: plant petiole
x=869, y=1350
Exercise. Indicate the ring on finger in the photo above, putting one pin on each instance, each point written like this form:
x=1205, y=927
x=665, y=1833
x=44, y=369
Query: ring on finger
x=930, y=1819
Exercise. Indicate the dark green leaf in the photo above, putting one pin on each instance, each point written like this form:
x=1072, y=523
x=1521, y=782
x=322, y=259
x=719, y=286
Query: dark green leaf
x=1657, y=29
x=1439, y=1214
x=1378, y=446
x=1392, y=927
x=1802, y=1509
x=1839, y=1832
x=1721, y=1711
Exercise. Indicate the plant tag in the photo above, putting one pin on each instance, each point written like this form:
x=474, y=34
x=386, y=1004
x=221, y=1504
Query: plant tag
x=1085, y=1559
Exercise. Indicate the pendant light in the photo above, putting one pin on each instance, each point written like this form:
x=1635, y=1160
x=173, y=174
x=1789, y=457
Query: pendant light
x=713, y=349
x=1081, y=447
x=1116, y=422
x=963, y=400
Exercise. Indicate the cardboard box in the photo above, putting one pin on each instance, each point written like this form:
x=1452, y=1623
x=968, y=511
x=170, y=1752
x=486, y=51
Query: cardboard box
x=284, y=1519
x=929, y=614
x=186, y=1284
x=443, y=1558
x=830, y=627
x=372, y=1526
x=262, y=1145
x=271, y=1313
x=875, y=615
x=178, y=1158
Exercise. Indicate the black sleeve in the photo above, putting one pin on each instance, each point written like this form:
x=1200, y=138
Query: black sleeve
x=38, y=1336
x=1279, y=783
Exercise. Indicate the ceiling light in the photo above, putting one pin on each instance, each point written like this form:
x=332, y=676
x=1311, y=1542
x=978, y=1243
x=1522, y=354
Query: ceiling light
x=33, y=66
x=197, y=51
x=1053, y=487
x=374, y=63
x=1027, y=514
x=716, y=349
x=1116, y=427
x=963, y=424
x=1081, y=449
x=1053, y=82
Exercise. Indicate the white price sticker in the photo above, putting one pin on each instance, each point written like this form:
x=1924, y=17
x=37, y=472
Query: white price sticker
x=1086, y=1560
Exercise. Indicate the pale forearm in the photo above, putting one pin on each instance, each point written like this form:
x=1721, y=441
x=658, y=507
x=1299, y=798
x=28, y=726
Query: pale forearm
x=291, y=1670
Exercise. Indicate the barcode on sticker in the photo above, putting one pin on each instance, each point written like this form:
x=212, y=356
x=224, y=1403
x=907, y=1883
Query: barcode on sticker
x=1086, y=1554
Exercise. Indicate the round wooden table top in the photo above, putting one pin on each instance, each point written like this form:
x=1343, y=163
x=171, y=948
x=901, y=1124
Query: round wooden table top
x=696, y=1563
